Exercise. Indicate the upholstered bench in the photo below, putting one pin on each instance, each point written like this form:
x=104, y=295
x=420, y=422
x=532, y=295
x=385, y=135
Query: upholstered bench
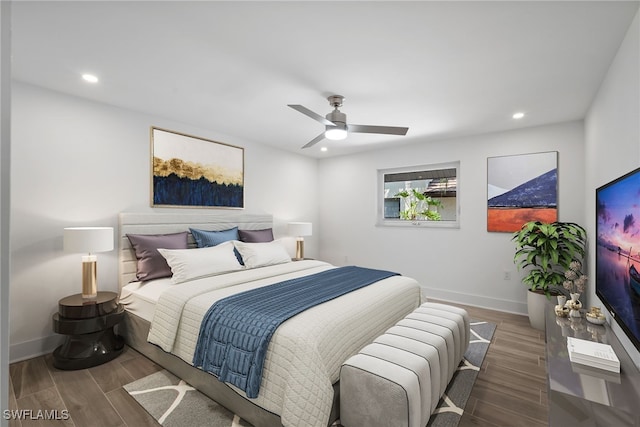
x=399, y=378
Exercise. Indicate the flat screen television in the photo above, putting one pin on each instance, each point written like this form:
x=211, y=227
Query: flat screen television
x=618, y=251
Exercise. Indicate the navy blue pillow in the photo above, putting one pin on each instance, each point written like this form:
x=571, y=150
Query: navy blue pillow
x=205, y=238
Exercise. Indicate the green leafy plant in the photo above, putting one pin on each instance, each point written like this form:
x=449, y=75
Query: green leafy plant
x=418, y=206
x=548, y=249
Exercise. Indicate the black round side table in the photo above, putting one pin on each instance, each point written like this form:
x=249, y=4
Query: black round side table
x=88, y=326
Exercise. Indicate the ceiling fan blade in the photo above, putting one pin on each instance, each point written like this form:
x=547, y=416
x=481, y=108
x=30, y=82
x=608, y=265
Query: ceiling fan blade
x=390, y=130
x=309, y=113
x=314, y=141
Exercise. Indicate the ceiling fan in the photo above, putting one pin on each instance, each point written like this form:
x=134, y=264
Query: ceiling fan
x=336, y=127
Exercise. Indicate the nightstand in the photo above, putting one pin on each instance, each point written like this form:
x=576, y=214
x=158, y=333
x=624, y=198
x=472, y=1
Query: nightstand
x=88, y=326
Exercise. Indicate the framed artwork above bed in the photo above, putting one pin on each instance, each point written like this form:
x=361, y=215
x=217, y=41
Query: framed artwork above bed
x=188, y=171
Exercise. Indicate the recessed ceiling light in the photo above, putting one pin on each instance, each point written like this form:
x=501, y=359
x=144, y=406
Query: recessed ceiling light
x=518, y=115
x=90, y=78
x=323, y=149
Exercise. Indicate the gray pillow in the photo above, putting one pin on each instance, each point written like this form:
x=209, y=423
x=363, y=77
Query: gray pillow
x=152, y=265
x=256, y=236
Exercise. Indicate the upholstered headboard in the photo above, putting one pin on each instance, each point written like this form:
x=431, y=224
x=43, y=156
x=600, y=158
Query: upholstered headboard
x=162, y=223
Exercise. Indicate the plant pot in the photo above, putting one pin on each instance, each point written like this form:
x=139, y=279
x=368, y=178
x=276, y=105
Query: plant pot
x=536, y=306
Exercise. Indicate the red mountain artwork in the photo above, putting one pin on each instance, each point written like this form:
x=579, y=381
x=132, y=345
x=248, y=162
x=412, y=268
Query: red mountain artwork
x=534, y=200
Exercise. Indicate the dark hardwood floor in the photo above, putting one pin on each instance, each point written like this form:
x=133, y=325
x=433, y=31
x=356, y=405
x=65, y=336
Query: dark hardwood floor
x=510, y=390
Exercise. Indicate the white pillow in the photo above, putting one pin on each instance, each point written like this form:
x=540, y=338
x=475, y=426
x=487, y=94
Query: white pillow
x=262, y=254
x=187, y=264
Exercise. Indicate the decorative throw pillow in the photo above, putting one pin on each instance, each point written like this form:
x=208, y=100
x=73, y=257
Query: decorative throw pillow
x=206, y=238
x=256, y=236
x=187, y=264
x=262, y=254
x=152, y=265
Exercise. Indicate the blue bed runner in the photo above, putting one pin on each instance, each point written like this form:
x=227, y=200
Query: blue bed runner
x=235, y=332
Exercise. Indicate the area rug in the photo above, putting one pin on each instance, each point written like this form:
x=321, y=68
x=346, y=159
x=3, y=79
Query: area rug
x=174, y=403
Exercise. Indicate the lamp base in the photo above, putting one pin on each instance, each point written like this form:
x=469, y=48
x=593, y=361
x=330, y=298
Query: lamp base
x=89, y=277
x=299, y=248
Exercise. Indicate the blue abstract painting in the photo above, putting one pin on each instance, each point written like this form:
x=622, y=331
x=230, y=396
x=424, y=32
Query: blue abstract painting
x=188, y=171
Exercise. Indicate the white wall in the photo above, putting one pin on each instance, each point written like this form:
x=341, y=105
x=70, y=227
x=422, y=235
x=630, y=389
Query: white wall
x=5, y=152
x=466, y=264
x=76, y=162
x=612, y=135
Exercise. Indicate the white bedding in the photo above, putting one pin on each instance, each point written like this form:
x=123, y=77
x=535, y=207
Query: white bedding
x=140, y=298
x=305, y=353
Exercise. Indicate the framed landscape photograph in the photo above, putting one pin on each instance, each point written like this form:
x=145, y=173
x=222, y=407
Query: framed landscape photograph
x=188, y=171
x=520, y=189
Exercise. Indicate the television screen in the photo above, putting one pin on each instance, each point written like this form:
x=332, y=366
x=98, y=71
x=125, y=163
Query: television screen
x=618, y=251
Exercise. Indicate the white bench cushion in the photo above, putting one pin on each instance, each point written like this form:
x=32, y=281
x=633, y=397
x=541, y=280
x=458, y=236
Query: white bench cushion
x=433, y=340
x=460, y=315
x=427, y=352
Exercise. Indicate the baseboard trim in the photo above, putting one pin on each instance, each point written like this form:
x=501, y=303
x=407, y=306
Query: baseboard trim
x=34, y=348
x=515, y=307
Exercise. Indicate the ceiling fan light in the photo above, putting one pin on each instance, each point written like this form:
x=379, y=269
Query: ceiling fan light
x=335, y=133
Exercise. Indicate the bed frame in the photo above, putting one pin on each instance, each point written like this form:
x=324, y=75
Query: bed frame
x=135, y=329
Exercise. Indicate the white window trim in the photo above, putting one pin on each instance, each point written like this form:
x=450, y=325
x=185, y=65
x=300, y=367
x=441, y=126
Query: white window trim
x=381, y=221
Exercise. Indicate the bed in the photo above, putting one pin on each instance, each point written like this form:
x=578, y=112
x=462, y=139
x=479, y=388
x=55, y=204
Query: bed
x=299, y=385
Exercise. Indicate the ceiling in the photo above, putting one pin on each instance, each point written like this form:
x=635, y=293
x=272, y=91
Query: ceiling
x=443, y=69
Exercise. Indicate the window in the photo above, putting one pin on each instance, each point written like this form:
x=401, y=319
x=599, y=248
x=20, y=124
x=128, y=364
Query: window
x=424, y=195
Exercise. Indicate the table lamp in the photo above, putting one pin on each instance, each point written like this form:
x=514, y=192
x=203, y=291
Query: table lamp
x=88, y=240
x=300, y=229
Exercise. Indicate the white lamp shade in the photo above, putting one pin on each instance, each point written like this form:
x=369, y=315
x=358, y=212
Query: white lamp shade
x=88, y=239
x=300, y=229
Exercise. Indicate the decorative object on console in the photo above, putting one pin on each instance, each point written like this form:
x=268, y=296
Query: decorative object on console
x=562, y=300
x=520, y=189
x=598, y=355
x=88, y=240
x=574, y=305
x=547, y=250
x=195, y=172
x=561, y=309
x=595, y=316
x=299, y=230
x=576, y=284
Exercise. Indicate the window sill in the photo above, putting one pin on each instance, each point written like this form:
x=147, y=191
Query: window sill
x=417, y=224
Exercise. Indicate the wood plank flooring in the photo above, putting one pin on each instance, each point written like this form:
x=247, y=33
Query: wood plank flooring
x=510, y=390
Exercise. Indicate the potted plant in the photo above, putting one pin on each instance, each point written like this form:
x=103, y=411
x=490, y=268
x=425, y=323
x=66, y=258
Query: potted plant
x=419, y=206
x=547, y=250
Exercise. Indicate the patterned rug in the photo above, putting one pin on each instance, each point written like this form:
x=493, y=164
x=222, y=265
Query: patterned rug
x=174, y=403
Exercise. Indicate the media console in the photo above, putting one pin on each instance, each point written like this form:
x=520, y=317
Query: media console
x=584, y=396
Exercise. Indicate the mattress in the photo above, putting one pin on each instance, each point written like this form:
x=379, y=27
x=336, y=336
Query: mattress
x=140, y=298
x=305, y=353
